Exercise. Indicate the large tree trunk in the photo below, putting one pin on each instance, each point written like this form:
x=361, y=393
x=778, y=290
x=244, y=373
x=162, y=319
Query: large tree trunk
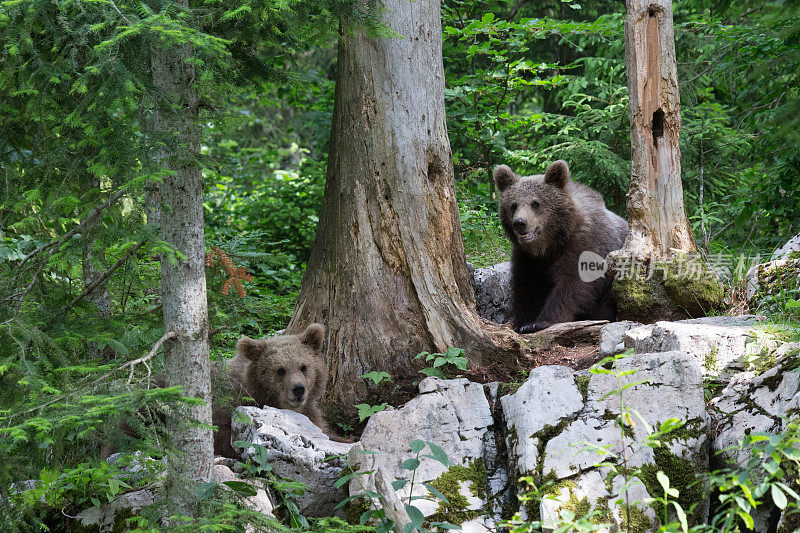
x=658, y=223
x=388, y=274
x=660, y=240
x=183, y=282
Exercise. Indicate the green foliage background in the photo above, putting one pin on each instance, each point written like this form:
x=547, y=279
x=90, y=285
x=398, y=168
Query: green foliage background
x=526, y=83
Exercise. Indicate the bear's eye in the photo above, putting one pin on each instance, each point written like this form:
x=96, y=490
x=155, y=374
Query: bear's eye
x=535, y=204
x=281, y=372
x=514, y=207
x=303, y=369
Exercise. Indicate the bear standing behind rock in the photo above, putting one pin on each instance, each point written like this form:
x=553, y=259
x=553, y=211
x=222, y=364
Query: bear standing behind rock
x=551, y=221
x=286, y=371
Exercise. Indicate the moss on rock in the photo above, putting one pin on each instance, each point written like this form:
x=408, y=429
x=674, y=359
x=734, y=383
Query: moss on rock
x=582, y=383
x=455, y=510
x=682, y=475
x=680, y=287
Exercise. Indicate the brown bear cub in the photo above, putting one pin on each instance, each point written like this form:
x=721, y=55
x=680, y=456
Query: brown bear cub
x=286, y=371
x=550, y=221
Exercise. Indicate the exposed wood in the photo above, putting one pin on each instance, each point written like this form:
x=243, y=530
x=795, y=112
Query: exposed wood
x=652, y=281
x=567, y=334
x=658, y=223
x=388, y=274
x=144, y=359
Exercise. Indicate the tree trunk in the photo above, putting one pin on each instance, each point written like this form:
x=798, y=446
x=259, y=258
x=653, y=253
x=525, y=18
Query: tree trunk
x=183, y=282
x=388, y=274
x=658, y=223
x=660, y=240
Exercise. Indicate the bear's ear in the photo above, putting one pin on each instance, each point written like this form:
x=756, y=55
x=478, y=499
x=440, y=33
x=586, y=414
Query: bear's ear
x=248, y=348
x=314, y=336
x=504, y=177
x=557, y=173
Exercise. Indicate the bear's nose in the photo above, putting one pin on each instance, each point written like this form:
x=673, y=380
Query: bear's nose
x=520, y=224
x=298, y=390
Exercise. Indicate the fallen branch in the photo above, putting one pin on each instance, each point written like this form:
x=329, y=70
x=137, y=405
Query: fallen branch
x=131, y=364
x=96, y=283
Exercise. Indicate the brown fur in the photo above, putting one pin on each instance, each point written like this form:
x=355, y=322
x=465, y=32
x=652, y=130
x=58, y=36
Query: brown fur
x=550, y=220
x=270, y=371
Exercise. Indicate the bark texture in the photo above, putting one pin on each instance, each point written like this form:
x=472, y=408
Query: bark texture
x=660, y=237
x=388, y=274
x=183, y=296
x=658, y=223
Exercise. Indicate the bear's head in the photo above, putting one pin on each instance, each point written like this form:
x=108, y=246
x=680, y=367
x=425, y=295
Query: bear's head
x=537, y=212
x=287, y=369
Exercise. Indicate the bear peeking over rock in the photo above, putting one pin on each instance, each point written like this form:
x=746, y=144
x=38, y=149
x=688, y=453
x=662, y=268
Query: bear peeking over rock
x=551, y=221
x=286, y=371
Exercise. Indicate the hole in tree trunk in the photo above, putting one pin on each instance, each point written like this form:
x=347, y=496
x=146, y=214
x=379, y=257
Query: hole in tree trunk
x=652, y=13
x=658, y=126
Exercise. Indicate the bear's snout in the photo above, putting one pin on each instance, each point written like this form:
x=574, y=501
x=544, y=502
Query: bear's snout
x=298, y=391
x=520, y=225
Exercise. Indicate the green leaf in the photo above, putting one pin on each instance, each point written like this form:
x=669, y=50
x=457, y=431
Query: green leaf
x=241, y=487
x=438, y=454
x=365, y=517
x=433, y=490
x=377, y=377
x=747, y=519
x=416, y=516
x=663, y=480
x=435, y=372
x=681, y=516
x=417, y=445
x=411, y=464
x=348, y=500
x=398, y=484
x=342, y=480
x=778, y=497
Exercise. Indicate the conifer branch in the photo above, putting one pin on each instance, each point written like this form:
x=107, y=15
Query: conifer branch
x=105, y=275
x=236, y=275
x=93, y=214
x=120, y=12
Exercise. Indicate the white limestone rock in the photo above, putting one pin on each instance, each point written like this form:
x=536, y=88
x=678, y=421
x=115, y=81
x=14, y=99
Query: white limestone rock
x=452, y=414
x=297, y=450
x=722, y=345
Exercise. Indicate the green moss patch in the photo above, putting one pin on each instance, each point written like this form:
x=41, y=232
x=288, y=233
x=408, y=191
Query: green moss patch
x=449, y=484
x=582, y=383
x=682, y=475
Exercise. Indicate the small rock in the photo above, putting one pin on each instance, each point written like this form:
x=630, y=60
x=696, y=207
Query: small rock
x=792, y=245
x=261, y=502
x=103, y=517
x=139, y=467
x=748, y=405
x=548, y=397
x=562, y=428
